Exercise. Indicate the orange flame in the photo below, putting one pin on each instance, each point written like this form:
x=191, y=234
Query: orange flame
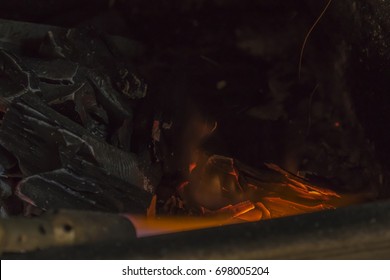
x=284, y=196
x=191, y=167
x=170, y=224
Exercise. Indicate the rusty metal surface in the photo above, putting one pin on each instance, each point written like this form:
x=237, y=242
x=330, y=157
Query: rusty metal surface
x=356, y=232
x=351, y=232
x=61, y=229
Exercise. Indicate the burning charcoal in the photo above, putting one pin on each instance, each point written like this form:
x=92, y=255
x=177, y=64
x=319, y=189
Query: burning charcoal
x=262, y=174
x=302, y=186
x=279, y=207
x=233, y=211
x=223, y=181
x=58, y=71
x=173, y=206
x=214, y=184
x=14, y=68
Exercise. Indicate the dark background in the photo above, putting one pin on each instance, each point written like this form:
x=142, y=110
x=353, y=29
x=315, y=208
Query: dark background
x=236, y=62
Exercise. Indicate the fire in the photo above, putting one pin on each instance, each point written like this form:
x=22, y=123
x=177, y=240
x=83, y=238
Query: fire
x=191, y=167
x=229, y=192
x=170, y=224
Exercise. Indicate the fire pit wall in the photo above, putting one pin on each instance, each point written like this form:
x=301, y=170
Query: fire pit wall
x=194, y=108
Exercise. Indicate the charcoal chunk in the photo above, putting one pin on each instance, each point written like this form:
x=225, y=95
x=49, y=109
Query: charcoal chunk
x=130, y=85
x=58, y=114
x=46, y=193
x=7, y=160
x=110, y=98
x=59, y=158
x=30, y=132
x=64, y=189
x=57, y=71
x=8, y=92
x=14, y=68
x=53, y=46
x=56, y=93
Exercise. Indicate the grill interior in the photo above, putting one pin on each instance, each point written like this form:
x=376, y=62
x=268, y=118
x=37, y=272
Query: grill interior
x=229, y=112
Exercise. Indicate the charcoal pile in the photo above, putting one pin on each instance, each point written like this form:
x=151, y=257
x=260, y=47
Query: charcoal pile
x=81, y=128
x=69, y=137
x=66, y=127
x=197, y=114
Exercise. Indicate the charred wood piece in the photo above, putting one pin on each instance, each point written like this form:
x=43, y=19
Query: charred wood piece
x=14, y=68
x=106, y=94
x=48, y=142
x=58, y=71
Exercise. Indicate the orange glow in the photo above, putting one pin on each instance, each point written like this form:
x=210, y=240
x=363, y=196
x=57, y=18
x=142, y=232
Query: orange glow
x=224, y=197
x=170, y=224
x=279, y=207
x=192, y=167
x=232, y=214
x=151, y=211
x=182, y=185
x=233, y=211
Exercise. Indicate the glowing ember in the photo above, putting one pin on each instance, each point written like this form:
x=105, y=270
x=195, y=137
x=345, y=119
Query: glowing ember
x=151, y=211
x=226, y=192
x=192, y=167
